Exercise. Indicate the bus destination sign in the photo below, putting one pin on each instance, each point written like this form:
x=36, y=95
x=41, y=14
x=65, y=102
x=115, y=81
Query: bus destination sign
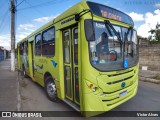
x=110, y=13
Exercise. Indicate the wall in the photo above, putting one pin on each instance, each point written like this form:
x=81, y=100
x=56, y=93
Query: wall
x=150, y=56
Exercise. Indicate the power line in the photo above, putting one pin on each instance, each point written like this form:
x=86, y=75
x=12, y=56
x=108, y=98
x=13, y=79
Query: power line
x=41, y=5
x=34, y=8
x=4, y=17
x=3, y=3
x=20, y=3
x=5, y=23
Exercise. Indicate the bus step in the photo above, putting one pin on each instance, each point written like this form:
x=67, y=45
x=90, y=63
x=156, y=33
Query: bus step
x=72, y=104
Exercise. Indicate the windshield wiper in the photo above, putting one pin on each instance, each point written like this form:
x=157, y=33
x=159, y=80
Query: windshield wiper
x=108, y=24
x=126, y=39
x=127, y=33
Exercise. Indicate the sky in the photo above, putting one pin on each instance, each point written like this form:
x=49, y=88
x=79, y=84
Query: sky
x=32, y=14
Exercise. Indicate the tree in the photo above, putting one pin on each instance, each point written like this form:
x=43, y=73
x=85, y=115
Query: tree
x=157, y=35
x=156, y=32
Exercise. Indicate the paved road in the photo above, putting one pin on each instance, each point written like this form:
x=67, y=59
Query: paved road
x=147, y=99
x=33, y=97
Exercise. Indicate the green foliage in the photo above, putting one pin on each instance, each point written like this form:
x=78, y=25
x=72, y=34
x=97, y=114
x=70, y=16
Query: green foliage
x=141, y=38
x=156, y=32
x=158, y=77
x=155, y=42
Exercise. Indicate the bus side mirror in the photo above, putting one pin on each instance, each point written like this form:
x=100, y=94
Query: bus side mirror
x=89, y=30
x=77, y=16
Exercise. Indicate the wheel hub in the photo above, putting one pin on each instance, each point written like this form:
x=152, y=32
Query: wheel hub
x=51, y=89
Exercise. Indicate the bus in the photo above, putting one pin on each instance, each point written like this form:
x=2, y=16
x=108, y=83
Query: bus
x=86, y=57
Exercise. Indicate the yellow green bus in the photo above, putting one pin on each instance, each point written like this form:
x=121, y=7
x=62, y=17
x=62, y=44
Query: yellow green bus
x=86, y=57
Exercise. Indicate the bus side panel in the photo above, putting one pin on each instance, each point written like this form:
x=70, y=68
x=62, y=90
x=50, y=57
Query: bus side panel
x=18, y=57
x=59, y=73
x=38, y=70
x=48, y=65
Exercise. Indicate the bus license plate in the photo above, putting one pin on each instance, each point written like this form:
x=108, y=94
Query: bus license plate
x=122, y=93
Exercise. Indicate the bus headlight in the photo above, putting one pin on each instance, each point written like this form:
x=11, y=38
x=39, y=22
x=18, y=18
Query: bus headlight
x=92, y=86
x=94, y=89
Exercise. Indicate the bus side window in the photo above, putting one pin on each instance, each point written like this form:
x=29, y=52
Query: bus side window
x=26, y=47
x=38, y=45
x=48, y=42
x=66, y=47
x=21, y=48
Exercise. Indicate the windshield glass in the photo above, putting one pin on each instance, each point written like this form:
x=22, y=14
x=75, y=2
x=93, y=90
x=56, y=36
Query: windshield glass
x=107, y=52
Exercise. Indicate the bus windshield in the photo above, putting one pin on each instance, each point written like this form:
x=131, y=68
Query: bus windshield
x=107, y=52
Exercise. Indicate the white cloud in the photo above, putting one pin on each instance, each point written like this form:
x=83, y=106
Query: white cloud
x=42, y=19
x=5, y=41
x=136, y=16
x=27, y=26
x=157, y=11
x=143, y=30
x=151, y=19
x=24, y=30
x=45, y=19
x=157, y=4
x=21, y=36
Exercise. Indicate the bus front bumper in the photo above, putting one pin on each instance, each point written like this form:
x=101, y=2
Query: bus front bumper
x=99, y=103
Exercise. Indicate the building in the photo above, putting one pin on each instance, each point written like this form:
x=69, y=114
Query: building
x=4, y=54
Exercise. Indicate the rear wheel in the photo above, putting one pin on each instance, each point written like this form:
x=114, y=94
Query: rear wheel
x=50, y=89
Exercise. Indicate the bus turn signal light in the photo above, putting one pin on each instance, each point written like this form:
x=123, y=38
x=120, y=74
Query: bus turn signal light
x=91, y=85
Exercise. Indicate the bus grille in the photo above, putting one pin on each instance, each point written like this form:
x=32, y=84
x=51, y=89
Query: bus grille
x=109, y=83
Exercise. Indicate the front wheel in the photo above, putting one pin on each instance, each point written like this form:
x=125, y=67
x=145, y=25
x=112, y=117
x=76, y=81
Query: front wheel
x=50, y=89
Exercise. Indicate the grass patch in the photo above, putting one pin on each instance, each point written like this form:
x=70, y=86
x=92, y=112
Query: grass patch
x=155, y=42
x=158, y=77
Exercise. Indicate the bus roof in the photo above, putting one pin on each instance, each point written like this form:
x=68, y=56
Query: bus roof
x=96, y=9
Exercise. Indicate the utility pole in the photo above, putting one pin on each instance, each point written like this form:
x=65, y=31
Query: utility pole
x=13, y=10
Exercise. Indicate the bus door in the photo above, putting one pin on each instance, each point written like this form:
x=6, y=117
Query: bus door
x=31, y=56
x=70, y=59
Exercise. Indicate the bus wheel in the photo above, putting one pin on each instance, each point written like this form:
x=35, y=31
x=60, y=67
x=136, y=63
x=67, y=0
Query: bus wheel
x=50, y=89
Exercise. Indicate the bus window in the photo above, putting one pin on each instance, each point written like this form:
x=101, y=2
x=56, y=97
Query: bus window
x=26, y=47
x=21, y=48
x=38, y=44
x=48, y=42
x=68, y=81
x=66, y=47
x=76, y=46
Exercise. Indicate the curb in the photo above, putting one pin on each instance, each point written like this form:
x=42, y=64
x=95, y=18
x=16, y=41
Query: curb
x=145, y=79
x=19, y=106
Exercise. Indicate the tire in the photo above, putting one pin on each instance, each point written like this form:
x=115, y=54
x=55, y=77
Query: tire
x=50, y=89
